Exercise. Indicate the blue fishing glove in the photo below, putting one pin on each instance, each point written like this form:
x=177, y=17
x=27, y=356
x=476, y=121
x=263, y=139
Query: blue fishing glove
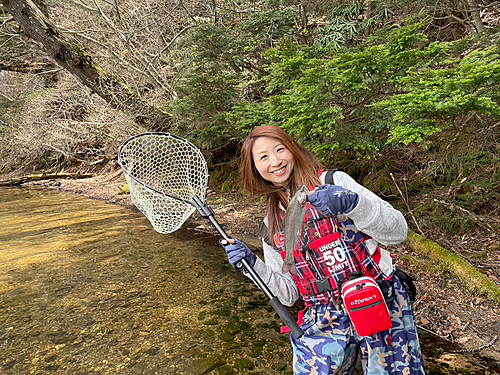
x=237, y=251
x=332, y=200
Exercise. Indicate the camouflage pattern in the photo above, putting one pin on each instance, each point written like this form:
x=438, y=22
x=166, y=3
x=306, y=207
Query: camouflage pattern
x=330, y=344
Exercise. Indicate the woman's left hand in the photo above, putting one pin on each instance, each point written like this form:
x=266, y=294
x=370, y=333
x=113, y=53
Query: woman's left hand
x=332, y=200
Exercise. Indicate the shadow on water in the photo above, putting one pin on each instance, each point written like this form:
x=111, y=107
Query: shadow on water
x=89, y=288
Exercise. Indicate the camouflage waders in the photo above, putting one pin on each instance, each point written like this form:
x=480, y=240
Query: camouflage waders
x=331, y=346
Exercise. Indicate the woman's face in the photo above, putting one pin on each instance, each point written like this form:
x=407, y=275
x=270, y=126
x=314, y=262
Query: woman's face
x=273, y=160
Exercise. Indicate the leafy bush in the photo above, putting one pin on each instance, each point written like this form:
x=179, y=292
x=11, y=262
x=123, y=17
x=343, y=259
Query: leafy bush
x=221, y=66
x=325, y=96
x=395, y=88
x=436, y=95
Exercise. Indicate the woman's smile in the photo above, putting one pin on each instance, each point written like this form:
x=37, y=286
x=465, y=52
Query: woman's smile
x=280, y=171
x=273, y=160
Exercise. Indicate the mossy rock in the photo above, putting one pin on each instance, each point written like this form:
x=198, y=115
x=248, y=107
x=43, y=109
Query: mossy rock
x=256, y=348
x=209, y=333
x=278, y=366
x=235, y=326
x=232, y=345
x=202, y=315
x=224, y=336
x=225, y=370
x=205, y=365
x=248, y=334
x=223, y=311
x=212, y=322
x=243, y=364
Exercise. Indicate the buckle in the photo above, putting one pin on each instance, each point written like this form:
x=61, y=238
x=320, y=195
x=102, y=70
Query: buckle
x=322, y=286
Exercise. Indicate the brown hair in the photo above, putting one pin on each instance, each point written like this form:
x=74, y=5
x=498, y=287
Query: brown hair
x=305, y=172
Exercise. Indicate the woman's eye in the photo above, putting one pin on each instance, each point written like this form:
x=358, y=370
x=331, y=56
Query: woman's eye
x=263, y=157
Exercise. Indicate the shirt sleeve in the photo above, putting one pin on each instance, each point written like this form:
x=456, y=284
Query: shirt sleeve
x=270, y=271
x=372, y=215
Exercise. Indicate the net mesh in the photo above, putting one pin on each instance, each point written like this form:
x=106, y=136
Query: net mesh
x=164, y=173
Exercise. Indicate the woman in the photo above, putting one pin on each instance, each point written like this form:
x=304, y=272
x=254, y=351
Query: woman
x=276, y=166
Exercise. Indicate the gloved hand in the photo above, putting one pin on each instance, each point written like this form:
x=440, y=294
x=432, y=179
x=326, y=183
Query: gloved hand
x=236, y=251
x=332, y=199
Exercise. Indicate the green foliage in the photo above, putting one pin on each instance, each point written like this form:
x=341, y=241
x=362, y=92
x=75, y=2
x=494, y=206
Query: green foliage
x=267, y=27
x=248, y=115
x=204, y=94
x=347, y=23
x=396, y=87
x=324, y=96
x=435, y=96
x=225, y=65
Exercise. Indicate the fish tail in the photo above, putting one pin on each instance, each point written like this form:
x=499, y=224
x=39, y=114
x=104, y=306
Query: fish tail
x=289, y=268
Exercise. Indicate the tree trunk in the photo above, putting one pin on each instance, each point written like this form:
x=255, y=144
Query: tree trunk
x=68, y=54
x=476, y=16
x=38, y=177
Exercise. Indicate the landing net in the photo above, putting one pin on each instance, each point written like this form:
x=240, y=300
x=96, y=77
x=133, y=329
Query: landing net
x=164, y=173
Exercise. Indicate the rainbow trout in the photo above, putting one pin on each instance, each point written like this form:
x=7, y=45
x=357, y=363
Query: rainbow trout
x=294, y=218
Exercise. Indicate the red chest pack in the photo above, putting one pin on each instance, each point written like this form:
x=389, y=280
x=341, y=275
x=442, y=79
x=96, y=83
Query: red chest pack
x=366, y=306
x=326, y=256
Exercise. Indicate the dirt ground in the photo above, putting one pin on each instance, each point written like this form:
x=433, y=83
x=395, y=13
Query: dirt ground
x=456, y=326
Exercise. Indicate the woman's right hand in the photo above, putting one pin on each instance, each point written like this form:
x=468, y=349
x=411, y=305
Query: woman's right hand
x=236, y=251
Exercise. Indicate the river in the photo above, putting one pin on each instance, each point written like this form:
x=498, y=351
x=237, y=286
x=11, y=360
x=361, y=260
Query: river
x=90, y=288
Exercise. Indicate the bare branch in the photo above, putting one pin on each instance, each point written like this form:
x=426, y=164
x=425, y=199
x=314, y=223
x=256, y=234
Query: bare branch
x=77, y=61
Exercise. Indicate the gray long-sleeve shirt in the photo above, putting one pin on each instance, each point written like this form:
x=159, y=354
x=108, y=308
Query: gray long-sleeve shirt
x=372, y=216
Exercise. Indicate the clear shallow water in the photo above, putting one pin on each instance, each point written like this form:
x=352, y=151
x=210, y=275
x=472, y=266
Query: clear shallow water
x=90, y=288
x=41, y=226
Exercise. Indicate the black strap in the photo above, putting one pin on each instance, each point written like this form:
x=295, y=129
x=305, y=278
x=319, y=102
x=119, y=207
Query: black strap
x=329, y=177
x=408, y=283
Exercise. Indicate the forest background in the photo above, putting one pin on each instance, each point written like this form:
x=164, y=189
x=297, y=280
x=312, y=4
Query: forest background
x=403, y=95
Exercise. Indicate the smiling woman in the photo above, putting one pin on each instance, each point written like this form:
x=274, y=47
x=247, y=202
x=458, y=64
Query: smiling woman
x=339, y=242
x=273, y=160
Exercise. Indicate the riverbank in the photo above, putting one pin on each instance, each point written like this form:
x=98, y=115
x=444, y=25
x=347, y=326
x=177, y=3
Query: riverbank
x=458, y=329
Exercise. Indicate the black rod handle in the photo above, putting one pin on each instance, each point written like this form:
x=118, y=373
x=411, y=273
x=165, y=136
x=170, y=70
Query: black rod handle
x=286, y=317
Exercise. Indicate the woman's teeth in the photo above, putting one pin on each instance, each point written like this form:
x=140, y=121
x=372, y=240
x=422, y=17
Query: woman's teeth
x=279, y=171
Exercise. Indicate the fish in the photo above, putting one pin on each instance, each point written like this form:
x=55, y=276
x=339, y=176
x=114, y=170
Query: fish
x=294, y=218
